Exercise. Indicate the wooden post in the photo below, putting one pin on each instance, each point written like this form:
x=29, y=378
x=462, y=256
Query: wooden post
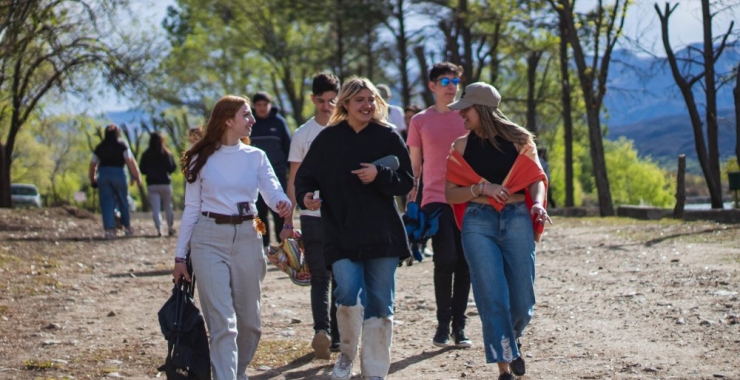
x=680, y=187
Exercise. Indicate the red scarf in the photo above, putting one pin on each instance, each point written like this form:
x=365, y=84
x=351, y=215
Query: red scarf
x=525, y=171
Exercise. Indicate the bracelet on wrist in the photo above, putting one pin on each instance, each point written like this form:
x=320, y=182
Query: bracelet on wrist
x=179, y=260
x=483, y=190
x=471, y=190
x=288, y=226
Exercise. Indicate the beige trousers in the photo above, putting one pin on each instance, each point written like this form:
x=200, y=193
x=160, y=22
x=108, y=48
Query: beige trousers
x=229, y=266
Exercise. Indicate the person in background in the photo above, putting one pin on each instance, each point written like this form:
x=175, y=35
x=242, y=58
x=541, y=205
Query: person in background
x=223, y=177
x=431, y=133
x=194, y=134
x=395, y=113
x=325, y=88
x=498, y=189
x=542, y=154
x=107, y=173
x=363, y=234
x=157, y=164
x=408, y=113
x=271, y=134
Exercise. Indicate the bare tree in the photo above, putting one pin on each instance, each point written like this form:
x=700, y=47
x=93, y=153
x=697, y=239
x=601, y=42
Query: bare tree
x=567, y=114
x=707, y=152
x=399, y=13
x=736, y=93
x=45, y=45
x=605, y=26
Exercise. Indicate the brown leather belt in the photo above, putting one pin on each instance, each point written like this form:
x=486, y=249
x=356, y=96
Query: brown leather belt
x=227, y=219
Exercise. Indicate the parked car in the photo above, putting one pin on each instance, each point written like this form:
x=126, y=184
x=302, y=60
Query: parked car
x=24, y=195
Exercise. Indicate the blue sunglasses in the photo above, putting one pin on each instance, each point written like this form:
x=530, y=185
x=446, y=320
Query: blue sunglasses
x=446, y=81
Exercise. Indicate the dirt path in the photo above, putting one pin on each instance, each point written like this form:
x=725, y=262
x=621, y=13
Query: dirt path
x=617, y=299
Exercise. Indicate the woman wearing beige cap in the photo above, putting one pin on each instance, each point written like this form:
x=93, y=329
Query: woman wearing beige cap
x=498, y=191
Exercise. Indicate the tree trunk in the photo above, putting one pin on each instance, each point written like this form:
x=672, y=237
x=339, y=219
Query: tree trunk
x=736, y=92
x=596, y=147
x=684, y=85
x=369, y=53
x=467, y=37
x=680, y=187
x=711, y=109
x=339, y=59
x=403, y=55
x=5, y=161
x=423, y=74
x=589, y=76
x=567, y=116
x=533, y=60
x=295, y=99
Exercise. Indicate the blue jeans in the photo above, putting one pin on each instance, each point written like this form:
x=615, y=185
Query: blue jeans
x=113, y=191
x=500, y=250
x=373, y=280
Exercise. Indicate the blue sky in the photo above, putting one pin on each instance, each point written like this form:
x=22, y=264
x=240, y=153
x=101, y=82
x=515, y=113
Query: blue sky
x=642, y=21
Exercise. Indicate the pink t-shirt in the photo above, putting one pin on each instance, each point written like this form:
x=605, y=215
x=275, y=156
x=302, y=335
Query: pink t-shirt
x=434, y=133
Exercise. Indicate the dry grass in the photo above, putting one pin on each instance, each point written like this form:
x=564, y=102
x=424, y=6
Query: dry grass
x=276, y=353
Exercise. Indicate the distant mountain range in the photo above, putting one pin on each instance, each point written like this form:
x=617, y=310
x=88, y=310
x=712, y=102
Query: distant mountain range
x=644, y=104
x=129, y=116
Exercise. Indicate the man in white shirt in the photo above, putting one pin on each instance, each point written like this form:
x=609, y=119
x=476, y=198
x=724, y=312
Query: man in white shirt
x=326, y=337
x=395, y=113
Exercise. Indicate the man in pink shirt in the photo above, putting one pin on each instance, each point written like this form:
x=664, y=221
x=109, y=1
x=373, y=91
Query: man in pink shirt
x=430, y=137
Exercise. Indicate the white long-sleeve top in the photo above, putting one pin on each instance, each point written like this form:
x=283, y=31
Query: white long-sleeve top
x=232, y=174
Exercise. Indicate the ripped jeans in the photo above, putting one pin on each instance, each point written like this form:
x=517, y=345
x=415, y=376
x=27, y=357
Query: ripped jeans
x=500, y=250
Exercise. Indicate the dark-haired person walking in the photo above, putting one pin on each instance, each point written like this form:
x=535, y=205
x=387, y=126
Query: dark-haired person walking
x=157, y=164
x=431, y=133
x=270, y=133
x=325, y=88
x=107, y=173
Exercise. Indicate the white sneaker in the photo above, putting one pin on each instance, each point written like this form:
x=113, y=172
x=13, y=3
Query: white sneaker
x=342, y=369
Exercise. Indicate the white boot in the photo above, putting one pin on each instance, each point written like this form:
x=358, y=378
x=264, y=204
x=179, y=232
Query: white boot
x=377, y=334
x=349, y=322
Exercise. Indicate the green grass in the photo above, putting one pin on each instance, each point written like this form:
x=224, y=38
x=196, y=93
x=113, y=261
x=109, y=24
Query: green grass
x=38, y=365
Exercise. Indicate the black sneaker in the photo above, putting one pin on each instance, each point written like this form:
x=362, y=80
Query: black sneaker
x=442, y=337
x=517, y=365
x=334, y=343
x=461, y=340
x=506, y=376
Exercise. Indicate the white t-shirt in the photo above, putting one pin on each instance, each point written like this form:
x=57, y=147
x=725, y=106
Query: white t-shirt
x=302, y=139
x=396, y=117
x=232, y=174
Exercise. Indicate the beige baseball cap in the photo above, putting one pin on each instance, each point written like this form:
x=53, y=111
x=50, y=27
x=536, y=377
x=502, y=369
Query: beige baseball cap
x=478, y=93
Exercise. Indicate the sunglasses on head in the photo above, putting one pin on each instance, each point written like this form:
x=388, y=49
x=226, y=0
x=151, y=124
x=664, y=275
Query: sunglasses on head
x=446, y=81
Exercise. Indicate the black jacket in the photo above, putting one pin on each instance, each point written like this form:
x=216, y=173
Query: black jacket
x=359, y=221
x=157, y=167
x=273, y=136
